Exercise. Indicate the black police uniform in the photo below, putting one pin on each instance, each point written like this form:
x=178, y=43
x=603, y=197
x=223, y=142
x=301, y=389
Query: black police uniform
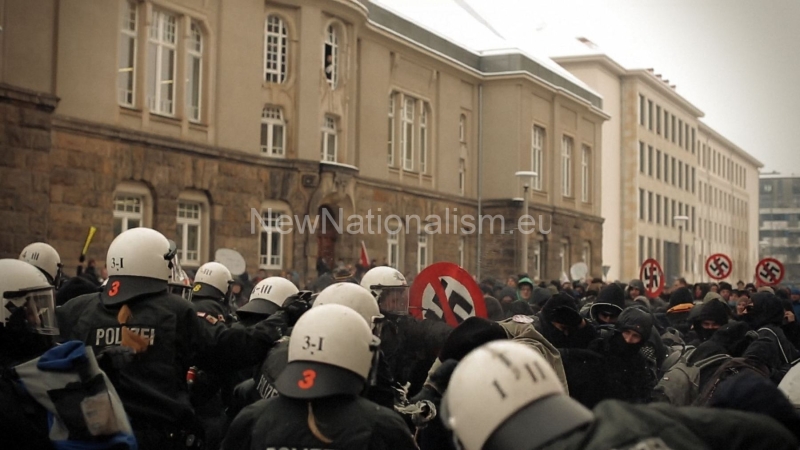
x=351, y=423
x=152, y=385
x=411, y=346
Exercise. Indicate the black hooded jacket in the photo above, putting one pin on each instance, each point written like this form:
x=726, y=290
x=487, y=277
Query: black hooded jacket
x=610, y=300
x=772, y=348
x=713, y=310
x=731, y=339
x=563, y=309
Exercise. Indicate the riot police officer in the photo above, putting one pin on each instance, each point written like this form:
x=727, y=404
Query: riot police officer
x=266, y=298
x=330, y=358
x=156, y=337
x=504, y=395
x=410, y=345
x=45, y=258
x=27, y=329
x=212, y=290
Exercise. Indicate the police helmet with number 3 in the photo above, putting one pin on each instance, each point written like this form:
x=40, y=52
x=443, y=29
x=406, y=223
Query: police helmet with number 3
x=139, y=261
x=330, y=353
x=498, y=391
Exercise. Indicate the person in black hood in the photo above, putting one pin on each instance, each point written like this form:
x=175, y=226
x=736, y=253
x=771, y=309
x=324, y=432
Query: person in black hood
x=772, y=348
x=562, y=325
x=707, y=318
x=731, y=339
x=608, y=305
x=681, y=303
x=700, y=291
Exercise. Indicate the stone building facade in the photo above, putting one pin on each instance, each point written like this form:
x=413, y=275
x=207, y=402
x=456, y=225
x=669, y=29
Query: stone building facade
x=215, y=122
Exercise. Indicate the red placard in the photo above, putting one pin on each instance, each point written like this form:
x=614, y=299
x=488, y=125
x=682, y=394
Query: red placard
x=719, y=266
x=652, y=276
x=445, y=291
x=769, y=272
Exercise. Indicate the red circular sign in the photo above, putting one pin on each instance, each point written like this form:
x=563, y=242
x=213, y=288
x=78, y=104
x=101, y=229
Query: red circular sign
x=719, y=266
x=769, y=272
x=653, y=278
x=445, y=291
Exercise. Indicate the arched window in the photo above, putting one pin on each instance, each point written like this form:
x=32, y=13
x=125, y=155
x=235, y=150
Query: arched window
x=275, y=50
x=331, y=56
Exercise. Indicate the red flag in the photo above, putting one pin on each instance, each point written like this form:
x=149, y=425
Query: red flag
x=363, y=259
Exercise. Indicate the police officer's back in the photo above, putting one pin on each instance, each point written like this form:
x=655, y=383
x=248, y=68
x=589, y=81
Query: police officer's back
x=330, y=357
x=505, y=396
x=212, y=291
x=156, y=337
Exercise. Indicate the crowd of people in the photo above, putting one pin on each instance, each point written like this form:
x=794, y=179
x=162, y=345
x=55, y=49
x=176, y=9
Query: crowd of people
x=142, y=354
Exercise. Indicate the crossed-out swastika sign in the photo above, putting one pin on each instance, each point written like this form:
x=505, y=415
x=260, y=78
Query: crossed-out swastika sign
x=652, y=276
x=769, y=272
x=445, y=291
x=719, y=266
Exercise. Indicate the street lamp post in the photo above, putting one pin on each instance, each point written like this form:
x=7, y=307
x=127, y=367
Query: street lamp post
x=523, y=264
x=681, y=220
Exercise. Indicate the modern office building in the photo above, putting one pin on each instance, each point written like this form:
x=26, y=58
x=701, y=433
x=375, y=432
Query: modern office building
x=779, y=222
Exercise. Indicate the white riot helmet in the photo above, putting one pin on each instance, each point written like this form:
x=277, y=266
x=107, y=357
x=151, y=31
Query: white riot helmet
x=45, y=258
x=390, y=288
x=212, y=280
x=499, y=390
x=28, y=298
x=354, y=297
x=139, y=261
x=268, y=296
x=330, y=353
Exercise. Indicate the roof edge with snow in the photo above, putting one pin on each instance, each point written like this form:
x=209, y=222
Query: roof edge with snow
x=487, y=63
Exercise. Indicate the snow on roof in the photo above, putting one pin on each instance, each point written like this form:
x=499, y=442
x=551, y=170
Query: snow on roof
x=455, y=23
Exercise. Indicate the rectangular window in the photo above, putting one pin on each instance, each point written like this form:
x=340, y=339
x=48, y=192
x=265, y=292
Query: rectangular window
x=422, y=252
x=674, y=213
x=666, y=168
x=650, y=207
x=680, y=174
x=658, y=120
x=692, y=180
x=693, y=219
x=270, y=254
x=127, y=213
x=194, y=69
x=642, y=158
x=658, y=164
x=585, y=176
x=390, y=149
x=658, y=249
x=275, y=50
x=641, y=110
x=672, y=127
x=126, y=77
x=423, y=138
x=566, y=166
x=658, y=209
x=462, y=176
x=161, y=63
x=650, y=247
x=641, y=250
x=641, y=204
x=666, y=124
x=650, y=160
x=537, y=259
x=407, y=121
x=393, y=248
x=680, y=132
x=686, y=136
x=673, y=170
x=666, y=211
x=650, y=115
x=273, y=137
x=188, y=232
x=565, y=256
x=537, y=155
x=329, y=140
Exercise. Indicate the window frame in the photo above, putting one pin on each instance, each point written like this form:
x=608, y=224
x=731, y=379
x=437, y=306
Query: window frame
x=332, y=41
x=330, y=127
x=392, y=137
x=407, y=122
x=270, y=122
x=125, y=216
x=194, y=52
x=184, y=223
x=280, y=48
x=271, y=226
x=128, y=35
x=423, y=244
x=423, y=137
x=567, y=144
x=158, y=41
x=586, y=162
x=537, y=156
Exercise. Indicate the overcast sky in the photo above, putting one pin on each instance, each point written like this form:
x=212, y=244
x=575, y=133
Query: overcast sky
x=736, y=60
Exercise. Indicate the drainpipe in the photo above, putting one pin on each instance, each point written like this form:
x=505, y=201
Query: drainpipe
x=480, y=178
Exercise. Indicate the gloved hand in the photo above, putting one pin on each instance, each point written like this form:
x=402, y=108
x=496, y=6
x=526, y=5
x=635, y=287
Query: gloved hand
x=115, y=357
x=567, y=316
x=441, y=377
x=295, y=306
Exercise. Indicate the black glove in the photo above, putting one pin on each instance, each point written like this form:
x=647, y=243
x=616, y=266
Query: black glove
x=567, y=316
x=295, y=306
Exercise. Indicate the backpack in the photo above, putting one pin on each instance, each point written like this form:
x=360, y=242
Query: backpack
x=729, y=368
x=680, y=384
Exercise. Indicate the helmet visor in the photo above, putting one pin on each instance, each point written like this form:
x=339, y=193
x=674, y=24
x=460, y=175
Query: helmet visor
x=37, y=308
x=394, y=300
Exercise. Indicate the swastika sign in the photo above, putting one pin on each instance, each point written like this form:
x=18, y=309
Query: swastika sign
x=719, y=266
x=445, y=291
x=652, y=276
x=769, y=272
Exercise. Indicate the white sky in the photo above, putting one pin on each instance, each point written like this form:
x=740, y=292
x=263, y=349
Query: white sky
x=736, y=60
